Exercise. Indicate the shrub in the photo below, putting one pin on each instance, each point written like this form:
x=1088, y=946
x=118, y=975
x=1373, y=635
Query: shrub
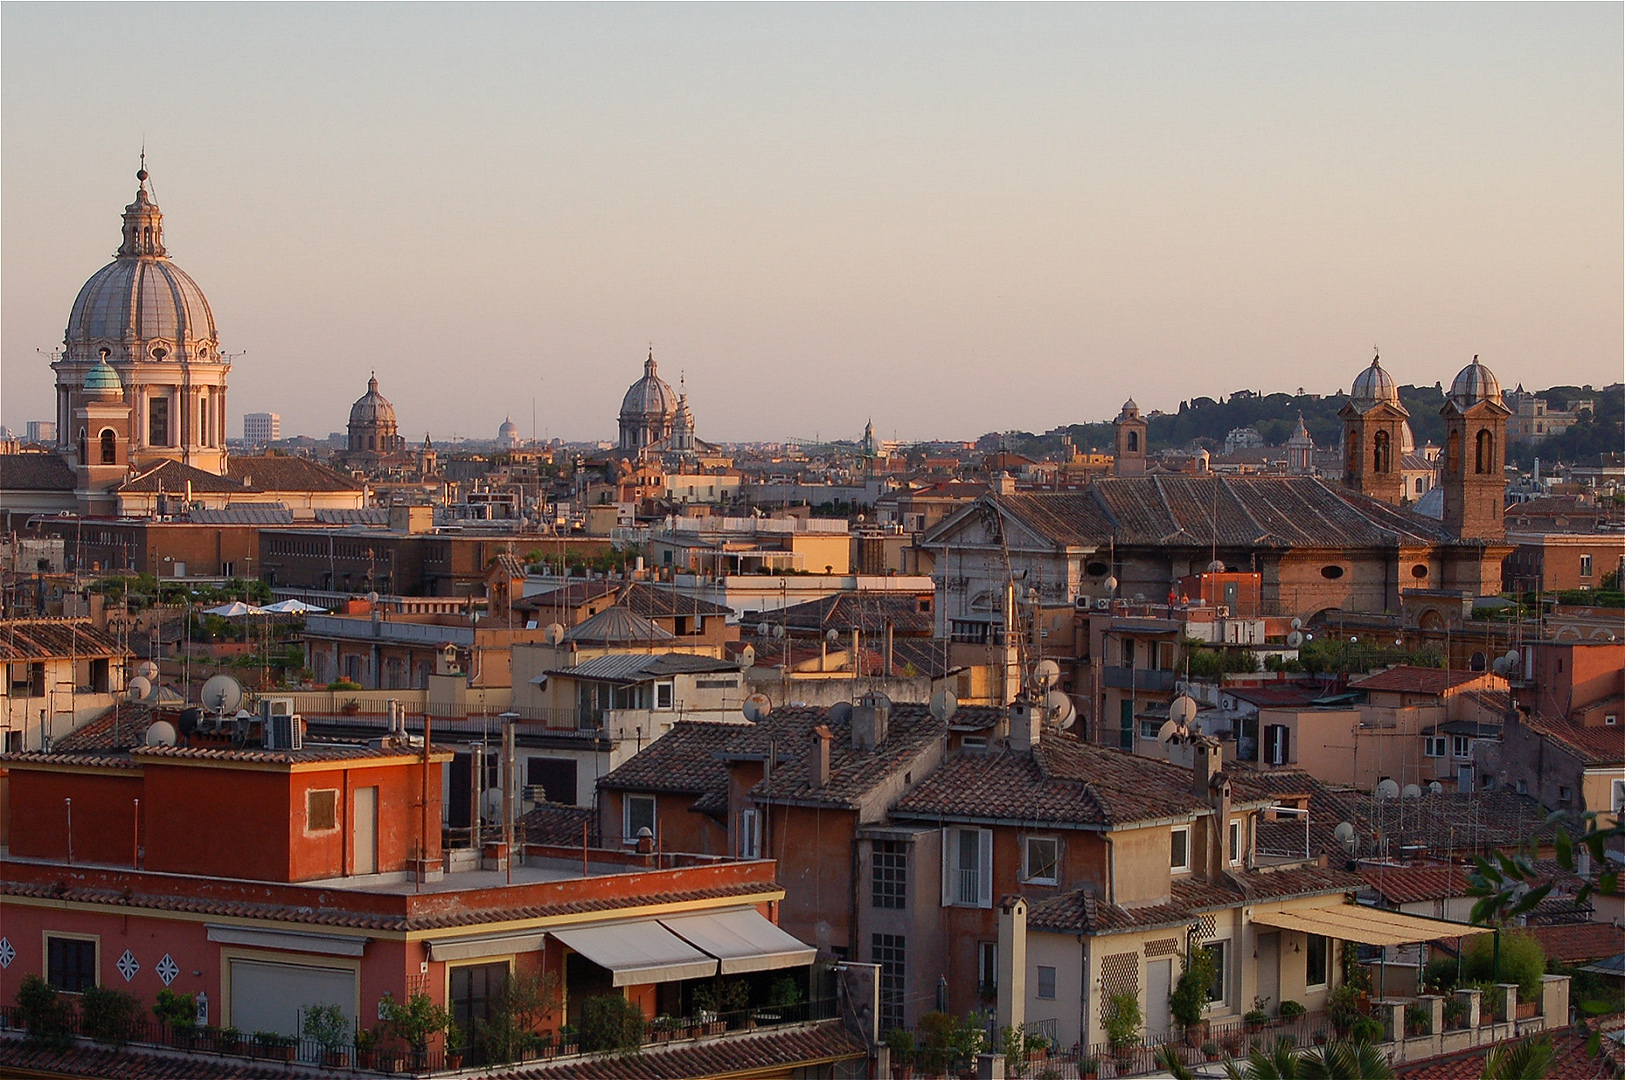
x=1189, y=997
x=1522, y=962
x=1418, y=1020
x=1439, y=976
x=1123, y=1020
x=327, y=1026
x=46, y=1016
x=415, y=1022
x=1367, y=1030
x=1343, y=1008
x=900, y=1041
x=610, y=1022
x=1291, y=1010
x=525, y=999
x=108, y=1015
x=179, y=1011
x=1256, y=1018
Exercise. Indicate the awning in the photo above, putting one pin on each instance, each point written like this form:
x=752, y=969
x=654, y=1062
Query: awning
x=1366, y=925
x=741, y=939
x=474, y=945
x=638, y=951
x=294, y=941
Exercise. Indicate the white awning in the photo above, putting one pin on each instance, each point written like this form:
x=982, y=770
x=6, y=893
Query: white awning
x=1366, y=925
x=475, y=945
x=293, y=941
x=742, y=939
x=638, y=951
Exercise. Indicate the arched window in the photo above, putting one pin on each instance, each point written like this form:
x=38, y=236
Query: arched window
x=84, y=448
x=1452, y=453
x=1134, y=442
x=109, y=447
x=1486, y=451
x=1380, y=452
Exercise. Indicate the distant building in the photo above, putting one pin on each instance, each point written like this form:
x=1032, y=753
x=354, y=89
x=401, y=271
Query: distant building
x=372, y=427
x=41, y=431
x=260, y=428
x=507, y=434
x=1533, y=421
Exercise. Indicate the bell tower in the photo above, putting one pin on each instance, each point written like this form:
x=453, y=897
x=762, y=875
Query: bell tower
x=1130, y=428
x=1474, y=479
x=1374, y=436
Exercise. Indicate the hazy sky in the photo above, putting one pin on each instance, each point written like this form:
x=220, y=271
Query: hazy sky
x=952, y=219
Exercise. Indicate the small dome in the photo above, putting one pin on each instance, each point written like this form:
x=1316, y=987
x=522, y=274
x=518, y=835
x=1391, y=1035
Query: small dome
x=372, y=408
x=649, y=396
x=508, y=430
x=1373, y=387
x=103, y=380
x=1130, y=409
x=1474, y=384
x=1407, y=439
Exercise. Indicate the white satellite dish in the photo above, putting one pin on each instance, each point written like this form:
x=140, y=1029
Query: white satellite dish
x=832, y=635
x=1294, y=639
x=757, y=706
x=553, y=634
x=139, y=688
x=1215, y=567
x=492, y=801
x=1182, y=710
x=761, y=629
x=1297, y=623
x=1435, y=788
x=1169, y=731
x=1512, y=656
x=1411, y=792
x=943, y=705
x=1060, y=709
x=1111, y=584
x=161, y=733
x=778, y=630
x=1387, y=789
x=1046, y=672
x=147, y=670
x=221, y=694
x=1345, y=835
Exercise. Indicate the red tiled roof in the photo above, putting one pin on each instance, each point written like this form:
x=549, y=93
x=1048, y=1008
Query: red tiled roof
x=767, y=1052
x=1082, y=911
x=1415, y=884
x=49, y=639
x=1593, y=745
x=120, y=727
x=133, y=1063
x=1416, y=680
x=557, y=823
x=1574, y=943
x=684, y=761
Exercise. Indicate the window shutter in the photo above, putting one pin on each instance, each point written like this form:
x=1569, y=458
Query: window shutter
x=984, y=872
x=947, y=866
x=1286, y=745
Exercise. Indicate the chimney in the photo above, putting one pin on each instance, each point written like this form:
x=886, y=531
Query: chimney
x=1026, y=725
x=1012, y=961
x=869, y=718
x=1209, y=762
x=822, y=736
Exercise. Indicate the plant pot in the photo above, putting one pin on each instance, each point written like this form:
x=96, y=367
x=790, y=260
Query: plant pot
x=281, y=1053
x=454, y=1059
x=1196, y=1034
x=335, y=1059
x=902, y=1072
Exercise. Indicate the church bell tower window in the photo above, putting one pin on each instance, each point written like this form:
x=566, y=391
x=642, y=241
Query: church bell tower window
x=109, y=447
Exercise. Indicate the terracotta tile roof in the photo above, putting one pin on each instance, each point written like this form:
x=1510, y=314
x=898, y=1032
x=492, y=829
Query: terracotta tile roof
x=284, y=472
x=1592, y=745
x=1261, y=885
x=763, y=1053
x=172, y=477
x=1416, y=680
x=132, y=756
x=866, y=612
x=1570, y=1059
x=107, y=758
x=1496, y=701
x=1415, y=884
x=50, y=639
x=1082, y=911
x=685, y=761
x=35, y=472
x=650, y=601
x=1576, y=943
x=557, y=823
x=136, y=1063
x=1063, y=781
x=120, y=727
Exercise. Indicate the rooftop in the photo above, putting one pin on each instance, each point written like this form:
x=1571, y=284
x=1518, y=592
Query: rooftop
x=1405, y=679
x=55, y=639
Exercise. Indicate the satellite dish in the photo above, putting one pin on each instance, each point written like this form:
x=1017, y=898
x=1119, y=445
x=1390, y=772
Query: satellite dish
x=1297, y=623
x=1294, y=639
x=1182, y=710
x=1411, y=792
x=761, y=629
x=139, y=688
x=832, y=635
x=147, y=670
x=221, y=694
x=1345, y=835
x=372, y=598
x=1060, y=708
x=1111, y=584
x=1139, y=598
x=778, y=630
x=1215, y=567
x=1435, y=788
x=841, y=711
x=1169, y=731
x=553, y=634
x=757, y=706
x=1387, y=789
x=161, y=733
x=492, y=801
x=1500, y=667
x=1046, y=672
x=943, y=705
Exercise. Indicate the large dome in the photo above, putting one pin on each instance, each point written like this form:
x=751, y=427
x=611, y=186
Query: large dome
x=372, y=409
x=141, y=302
x=1373, y=387
x=1473, y=384
x=649, y=397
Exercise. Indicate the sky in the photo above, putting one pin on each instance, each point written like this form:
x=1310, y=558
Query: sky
x=950, y=219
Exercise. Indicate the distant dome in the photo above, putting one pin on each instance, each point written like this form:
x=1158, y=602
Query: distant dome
x=103, y=380
x=650, y=396
x=1407, y=439
x=1130, y=409
x=1475, y=383
x=1373, y=387
x=509, y=431
x=372, y=408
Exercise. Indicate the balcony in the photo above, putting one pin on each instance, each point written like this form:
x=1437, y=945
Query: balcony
x=1122, y=678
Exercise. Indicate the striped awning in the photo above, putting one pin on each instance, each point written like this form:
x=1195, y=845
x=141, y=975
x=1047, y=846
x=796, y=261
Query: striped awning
x=1366, y=925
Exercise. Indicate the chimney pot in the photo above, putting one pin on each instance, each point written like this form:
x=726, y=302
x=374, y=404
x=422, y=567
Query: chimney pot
x=822, y=737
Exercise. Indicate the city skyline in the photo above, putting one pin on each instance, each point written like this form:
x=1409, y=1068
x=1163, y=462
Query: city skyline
x=950, y=220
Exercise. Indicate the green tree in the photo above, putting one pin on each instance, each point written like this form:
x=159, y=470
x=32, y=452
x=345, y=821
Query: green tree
x=611, y=1023
x=46, y=1016
x=108, y=1015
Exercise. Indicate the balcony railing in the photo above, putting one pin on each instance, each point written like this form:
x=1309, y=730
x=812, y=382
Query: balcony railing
x=1122, y=678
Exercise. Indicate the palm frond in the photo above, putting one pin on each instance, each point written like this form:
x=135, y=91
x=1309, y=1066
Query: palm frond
x=1526, y=1059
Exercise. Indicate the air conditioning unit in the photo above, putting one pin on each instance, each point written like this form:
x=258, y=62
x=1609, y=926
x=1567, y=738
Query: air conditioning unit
x=1223, y=611
x=533, y=793
x=284, y=732
x=1102, y=603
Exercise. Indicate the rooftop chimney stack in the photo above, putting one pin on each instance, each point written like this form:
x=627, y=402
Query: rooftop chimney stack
x=869, y=720
x=1026, y=725
x=822, y=738
x=1209, y=762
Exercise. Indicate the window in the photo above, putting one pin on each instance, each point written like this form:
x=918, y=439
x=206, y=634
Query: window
x=1433, y=746
x=987, y=968
x=1460, y=746
x=1149, y=729
x=1180, y=851
x=1484, y=462
x=1043, y=856
x=475, y=991
x=1046, y=982
x=110, y=452
x=967, y=869
x=663, y=695
x=889, y=869
x=70, y=963
x=1585, y=561
x=321, y=810
x=888, y=951
x=1215, y=992
x=1619, y=795
x=1126, y=651
x=1316, y=957
x=1380, y=452
x=1235, y=841
x=555, y=776
x=1562, y=794
x=750, y=834
x=1277, y=744
x=638, y=812
x=158, y=422
x=1611, y=719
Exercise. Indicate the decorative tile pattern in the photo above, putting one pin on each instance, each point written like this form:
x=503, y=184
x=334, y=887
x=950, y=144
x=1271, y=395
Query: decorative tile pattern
x=7, y=952
x=128, y=965
x=167, y=969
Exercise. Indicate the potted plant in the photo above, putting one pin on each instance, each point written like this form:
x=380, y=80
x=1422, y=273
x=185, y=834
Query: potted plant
x=1210, y=1050
x=1255, y=1019
x=328, y=1027
x=275, y=1045
x=1189, y=998
x=351, y=707
x=1291, y=1010
x=1089, y=1066
x=178, y=1012
x=900, y=1041
x=1455, y=1013
x=1123, y=1027
x=569, y=1039
x=1367, y=1030
x=1343, y=1009
x=1417, y=1020
x=455, y=1041
x=366, y=1047
x=415, y=1023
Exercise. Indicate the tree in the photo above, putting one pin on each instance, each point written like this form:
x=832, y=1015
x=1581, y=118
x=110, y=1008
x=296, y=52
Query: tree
x=47, y=1016
x=108, y=1015
x=1526, y=1059
x=610, y=1022
x=1334, y=1061
x=415, y=1022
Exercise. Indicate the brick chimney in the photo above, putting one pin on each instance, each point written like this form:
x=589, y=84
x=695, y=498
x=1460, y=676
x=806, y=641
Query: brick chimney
x=1209, y=762
x=822, y=737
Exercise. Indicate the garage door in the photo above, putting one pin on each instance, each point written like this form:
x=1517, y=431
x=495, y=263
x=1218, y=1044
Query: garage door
x=269, y=997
